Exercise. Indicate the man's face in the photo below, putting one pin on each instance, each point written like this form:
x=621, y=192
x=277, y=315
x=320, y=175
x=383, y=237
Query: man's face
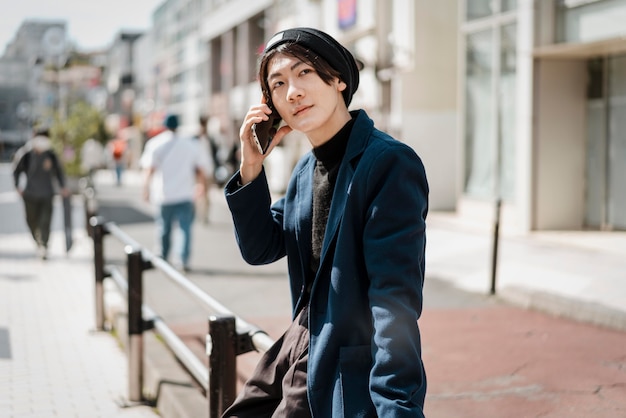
x=304, y=101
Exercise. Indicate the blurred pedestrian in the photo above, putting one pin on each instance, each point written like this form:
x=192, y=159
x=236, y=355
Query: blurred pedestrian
x=352, y=225
x=173, y=165
x=118, y=148
x=203, y=201
x=40, y=166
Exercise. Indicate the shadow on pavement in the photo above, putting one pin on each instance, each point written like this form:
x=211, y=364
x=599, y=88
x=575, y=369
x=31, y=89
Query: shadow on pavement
x=17, y=277
x=439, y=294
x=18, y=255
x=236, y=273
x=122, y=214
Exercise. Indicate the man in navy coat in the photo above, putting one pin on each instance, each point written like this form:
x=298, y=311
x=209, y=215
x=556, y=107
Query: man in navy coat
x=352, y=225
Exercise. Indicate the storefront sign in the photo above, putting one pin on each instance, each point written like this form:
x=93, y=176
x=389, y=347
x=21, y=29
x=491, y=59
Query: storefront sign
x=347, y=13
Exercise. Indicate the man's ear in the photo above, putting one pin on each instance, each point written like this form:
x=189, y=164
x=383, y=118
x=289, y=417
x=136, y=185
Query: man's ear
x=341, y=86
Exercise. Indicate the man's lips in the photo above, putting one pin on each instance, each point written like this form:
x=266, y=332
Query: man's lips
x=301, y=109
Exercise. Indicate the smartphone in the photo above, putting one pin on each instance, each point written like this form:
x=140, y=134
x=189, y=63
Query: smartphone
x=263, y=132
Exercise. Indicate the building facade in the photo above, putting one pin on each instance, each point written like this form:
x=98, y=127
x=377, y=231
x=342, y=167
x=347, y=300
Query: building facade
x=541, y=113
x=29, y=82
x=518, y=101
x=120, y=79
x=41, y=76
x=408, y=47
x=180, y=61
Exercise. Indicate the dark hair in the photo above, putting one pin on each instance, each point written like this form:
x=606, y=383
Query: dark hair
x=171, y=122
x=302, y=53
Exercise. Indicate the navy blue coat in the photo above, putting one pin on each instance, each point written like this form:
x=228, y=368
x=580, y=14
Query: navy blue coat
x=365, y=349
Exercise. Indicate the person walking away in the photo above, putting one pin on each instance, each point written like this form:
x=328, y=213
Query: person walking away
x=203, y=201
x=119, y=150
x=173, y=165
x=40, y=166
x=352, y=225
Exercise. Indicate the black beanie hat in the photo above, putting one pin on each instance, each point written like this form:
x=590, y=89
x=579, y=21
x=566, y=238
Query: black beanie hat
x=326, y=47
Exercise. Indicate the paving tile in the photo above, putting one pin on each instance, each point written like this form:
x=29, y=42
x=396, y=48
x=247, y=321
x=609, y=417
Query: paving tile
x=57, y=366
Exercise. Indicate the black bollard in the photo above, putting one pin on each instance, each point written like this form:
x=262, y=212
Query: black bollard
x=496, y=243
x=135, y=324
x=221, y=349
x=98, y=233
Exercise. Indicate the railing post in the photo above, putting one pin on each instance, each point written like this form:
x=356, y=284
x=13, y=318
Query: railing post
x=98, y=233
x=221, y=349
x=90, y=207
x=135, y=324
x=496, y=243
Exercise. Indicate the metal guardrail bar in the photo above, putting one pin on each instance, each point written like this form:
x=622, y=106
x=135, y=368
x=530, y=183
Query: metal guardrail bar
x=228, y=335
x=199, y=371
x=260, y=339
x=117, y=232
x=207, y=301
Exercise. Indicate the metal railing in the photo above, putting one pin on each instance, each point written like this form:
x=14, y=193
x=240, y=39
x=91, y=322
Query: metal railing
x=228, y=335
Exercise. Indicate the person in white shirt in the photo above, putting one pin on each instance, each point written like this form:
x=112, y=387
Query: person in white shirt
x=173, y=166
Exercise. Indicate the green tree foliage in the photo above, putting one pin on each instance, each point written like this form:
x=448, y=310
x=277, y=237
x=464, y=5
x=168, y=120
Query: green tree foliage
x=68, y=135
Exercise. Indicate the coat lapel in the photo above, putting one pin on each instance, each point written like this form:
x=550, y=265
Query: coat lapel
x=304, y=195
x=357, y=142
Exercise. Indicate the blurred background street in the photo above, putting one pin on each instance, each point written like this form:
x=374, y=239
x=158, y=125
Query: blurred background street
x=516, y=108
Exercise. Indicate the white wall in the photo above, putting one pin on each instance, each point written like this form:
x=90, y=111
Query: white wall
x=432, y=136
x=429, y=103
x=559, y=143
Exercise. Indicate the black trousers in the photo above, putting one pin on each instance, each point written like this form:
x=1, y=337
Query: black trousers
x=277, y=388
x=38, y=218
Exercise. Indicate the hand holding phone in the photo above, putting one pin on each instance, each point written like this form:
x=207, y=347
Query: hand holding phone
x=263, y=132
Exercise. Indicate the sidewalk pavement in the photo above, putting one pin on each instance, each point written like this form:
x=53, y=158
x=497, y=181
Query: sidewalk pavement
x=580, y=275
x=52, y=363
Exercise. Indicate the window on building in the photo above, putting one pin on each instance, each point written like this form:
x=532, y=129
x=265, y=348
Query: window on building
x=476, y=9
x=490, y=106
x=590, y=20
x=479, y=152
x=508, y=5
x=507, y=110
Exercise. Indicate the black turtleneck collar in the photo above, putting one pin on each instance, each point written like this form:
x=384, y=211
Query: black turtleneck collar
x=331, y=152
